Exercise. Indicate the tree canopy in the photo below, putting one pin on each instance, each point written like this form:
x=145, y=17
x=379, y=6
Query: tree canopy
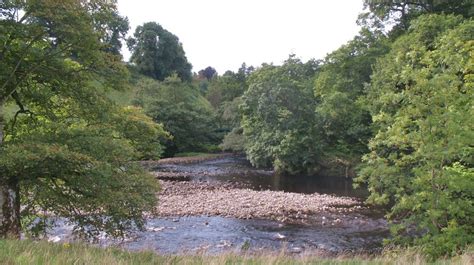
x=183, y=112
x=208, y=73
x=343, y=119
x=420, y=158
x=278, y=117
x=402, y=12
x=67, y=149
x=157, y=53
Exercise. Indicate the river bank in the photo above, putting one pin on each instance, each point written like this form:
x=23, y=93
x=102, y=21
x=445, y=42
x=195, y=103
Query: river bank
x=33, y=252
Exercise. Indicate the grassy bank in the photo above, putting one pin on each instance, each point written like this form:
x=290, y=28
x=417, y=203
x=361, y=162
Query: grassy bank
x=29, y=252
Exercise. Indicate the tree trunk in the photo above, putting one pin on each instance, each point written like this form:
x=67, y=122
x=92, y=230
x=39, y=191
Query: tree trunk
x=9, y=200
x=9, y=210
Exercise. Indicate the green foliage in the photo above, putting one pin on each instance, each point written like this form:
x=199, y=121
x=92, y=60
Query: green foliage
x=68, y=148
x=386, y=8
x=77, y=163
x=229, y=113
x=343, y=119
x=157, y=53
x=97, y=189
x=421, y=156
x=229, y=86
x=278, y=117
x=224, y=89
x=233, y=141
x=183, y=112
x=225, y=95
x=112, y=27
x=44, y=46
x=403, y=12
x=142, y=132
x=207, y=73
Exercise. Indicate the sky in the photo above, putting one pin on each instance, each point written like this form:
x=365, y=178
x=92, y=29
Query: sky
x=225, y=33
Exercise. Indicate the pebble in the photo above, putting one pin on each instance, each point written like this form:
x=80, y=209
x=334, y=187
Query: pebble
x=280, y=236
x=181, y=198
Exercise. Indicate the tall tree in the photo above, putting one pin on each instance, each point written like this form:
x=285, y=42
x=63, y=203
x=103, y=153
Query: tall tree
x=114, y=30
x=58, y=148
x=225, y=95
x=181, y=109
x=402, y=12
x=278, y=117
x=421, y=157
x=343, y=119
x=158, y=53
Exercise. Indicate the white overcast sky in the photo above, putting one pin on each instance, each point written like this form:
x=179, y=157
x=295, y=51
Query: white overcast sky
x=225, y=33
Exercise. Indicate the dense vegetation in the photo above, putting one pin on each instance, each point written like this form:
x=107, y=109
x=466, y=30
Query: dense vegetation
x=392, y=106
x=67, y=149
x=182, y=110
x=278, y=117
x=157, y=53
x=421, y=102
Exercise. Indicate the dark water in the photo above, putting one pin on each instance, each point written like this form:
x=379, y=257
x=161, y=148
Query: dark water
x=237, y=169
x=217, y=234
x=214, y=235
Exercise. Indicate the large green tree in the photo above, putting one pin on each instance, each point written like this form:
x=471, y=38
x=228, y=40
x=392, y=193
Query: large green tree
x=157, y=53
x=278, y=117
x=342, y=117
x=65, y=148
x=421, y=157
x=399, y=13
x=182, y=110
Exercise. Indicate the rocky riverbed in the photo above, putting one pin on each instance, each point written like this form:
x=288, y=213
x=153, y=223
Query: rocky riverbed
x=179, y=198
x=186, y=190
x=219, y=203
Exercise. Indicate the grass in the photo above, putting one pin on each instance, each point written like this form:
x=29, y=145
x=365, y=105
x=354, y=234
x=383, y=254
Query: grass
x=40, y=252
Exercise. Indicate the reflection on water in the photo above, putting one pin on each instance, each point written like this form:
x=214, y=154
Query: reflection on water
x=237, y=169
x=217, y=234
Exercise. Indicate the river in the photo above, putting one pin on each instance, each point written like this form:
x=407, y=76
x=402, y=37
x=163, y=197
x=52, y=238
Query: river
x=362, y=232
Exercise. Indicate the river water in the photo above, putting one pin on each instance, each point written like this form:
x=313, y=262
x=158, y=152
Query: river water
x=208, y=234
x=238, y=169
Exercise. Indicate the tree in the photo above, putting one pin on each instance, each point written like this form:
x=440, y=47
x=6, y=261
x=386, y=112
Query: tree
x=229, y=121
x=183, y=112
x=225, y=88
x=208, y=73
x=157, y=53
x=63, y=147
x=402, y=12
x=420, y=159
x=344, y=120
x=225, y=95
x=115, y=28
x=278, y=117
